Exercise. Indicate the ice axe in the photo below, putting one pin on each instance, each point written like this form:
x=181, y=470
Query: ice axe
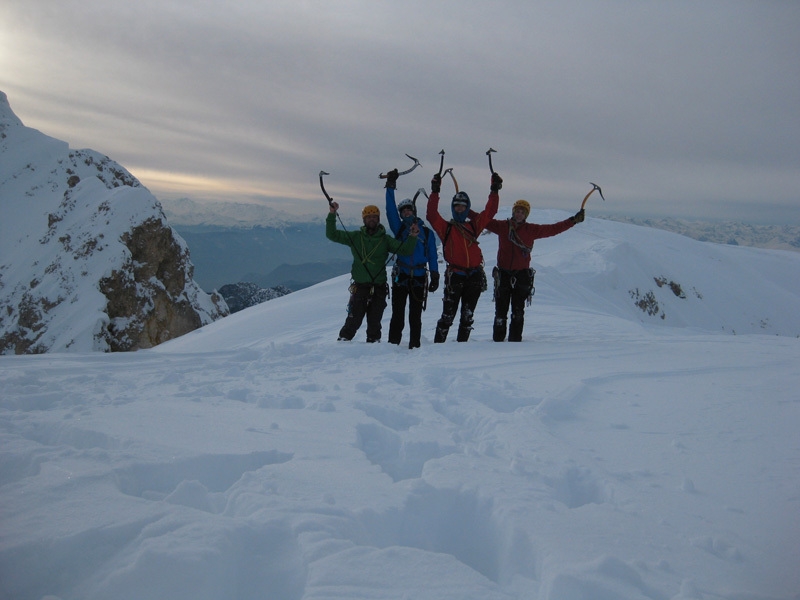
x=594, y=187
x=441, y=162
x=419, y=191
x=450, y=170
x=407, y=171
x=489, y=154
x=322, y=185
x=330, y=201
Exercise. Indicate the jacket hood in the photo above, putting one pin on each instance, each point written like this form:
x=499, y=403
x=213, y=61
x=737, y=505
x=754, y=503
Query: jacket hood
x=380, y=230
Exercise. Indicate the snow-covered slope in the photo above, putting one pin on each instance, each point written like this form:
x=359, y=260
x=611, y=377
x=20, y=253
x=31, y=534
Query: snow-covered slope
x=87, y=260
x=613, y=454
x=660, y=277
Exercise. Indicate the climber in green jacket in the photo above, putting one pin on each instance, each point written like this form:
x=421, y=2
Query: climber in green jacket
x=371, y=247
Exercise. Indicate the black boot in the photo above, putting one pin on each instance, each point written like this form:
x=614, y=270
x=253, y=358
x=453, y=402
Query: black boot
x=463, y=333
x=442, y=328
x=499, y=331
x=515, y=329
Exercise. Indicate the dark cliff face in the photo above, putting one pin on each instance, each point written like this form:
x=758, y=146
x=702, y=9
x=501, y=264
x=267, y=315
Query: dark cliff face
x=146, y=300
x=88, y=260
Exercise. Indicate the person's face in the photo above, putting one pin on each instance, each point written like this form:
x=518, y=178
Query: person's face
x=519, y=214
x=459, y=208
x=371, y=221
x=406, y=212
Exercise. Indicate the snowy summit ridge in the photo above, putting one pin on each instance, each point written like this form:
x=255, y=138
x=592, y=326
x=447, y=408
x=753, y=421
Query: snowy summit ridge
x=88, y=260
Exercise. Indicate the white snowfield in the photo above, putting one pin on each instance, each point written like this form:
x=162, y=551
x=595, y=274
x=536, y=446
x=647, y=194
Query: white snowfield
x=613, y=454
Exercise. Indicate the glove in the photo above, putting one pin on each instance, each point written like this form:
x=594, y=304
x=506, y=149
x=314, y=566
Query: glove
x=434, y=284
x=391, y=179
x=497, y=183
x=436, y=184
x=579, y=216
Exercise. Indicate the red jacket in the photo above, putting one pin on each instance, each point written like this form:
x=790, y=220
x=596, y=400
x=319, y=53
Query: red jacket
x=461, y=250
x=513, y=256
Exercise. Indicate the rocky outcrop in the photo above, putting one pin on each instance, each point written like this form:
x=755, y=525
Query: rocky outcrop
x=151, y=287
x=88, y=261
x=244, y=294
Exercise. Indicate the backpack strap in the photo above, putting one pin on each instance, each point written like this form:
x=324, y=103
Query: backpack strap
x=462, y=229
x=515, y=239
x=424, y=228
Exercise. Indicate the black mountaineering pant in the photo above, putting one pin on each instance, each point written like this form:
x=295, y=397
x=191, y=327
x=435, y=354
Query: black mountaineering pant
x=367, y=300
x=463, y=287
x=405, y=287
x=514, y=288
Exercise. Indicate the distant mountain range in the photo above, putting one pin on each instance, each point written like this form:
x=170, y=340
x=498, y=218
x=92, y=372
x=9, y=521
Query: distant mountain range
x=775, y=237
x=187, y=213
x=184, y=212
x=233, y=243
x=292, y=255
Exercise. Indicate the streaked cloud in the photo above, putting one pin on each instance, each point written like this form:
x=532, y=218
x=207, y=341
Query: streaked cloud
x=678, y=108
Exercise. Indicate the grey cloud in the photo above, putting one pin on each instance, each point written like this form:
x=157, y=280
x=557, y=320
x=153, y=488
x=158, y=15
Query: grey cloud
x=680, y=108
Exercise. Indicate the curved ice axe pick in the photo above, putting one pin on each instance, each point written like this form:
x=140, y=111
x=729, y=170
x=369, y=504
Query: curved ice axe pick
x=322, y=185
x=594, y=187
x=450, y=170
x=441, y=162
x=330, y=201
x=419, y=191
x=407, y=171
x=489, y=154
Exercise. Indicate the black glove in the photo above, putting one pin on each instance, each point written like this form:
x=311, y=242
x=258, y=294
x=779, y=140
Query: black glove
x=497, y=183
x=579, y=216
x=391, y=179
x=436, y=184
x=434, y=284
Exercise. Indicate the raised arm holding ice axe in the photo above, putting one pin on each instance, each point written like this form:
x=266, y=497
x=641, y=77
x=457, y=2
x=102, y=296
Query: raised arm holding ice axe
x=410, y=273
x=513, y=275
x=370, y=246
x=465, y=278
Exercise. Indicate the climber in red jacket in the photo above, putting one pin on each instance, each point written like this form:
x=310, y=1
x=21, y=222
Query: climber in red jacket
x=513, y=275
x=465, y=278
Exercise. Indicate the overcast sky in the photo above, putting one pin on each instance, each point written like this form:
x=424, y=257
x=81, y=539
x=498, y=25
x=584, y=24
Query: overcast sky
x=676, y=108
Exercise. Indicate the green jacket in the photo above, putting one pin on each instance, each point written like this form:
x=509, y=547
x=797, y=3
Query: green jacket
x=370, y=252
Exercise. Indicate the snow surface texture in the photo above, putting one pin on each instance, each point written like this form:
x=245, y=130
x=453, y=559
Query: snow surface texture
x=613, y=454
x=65, y=214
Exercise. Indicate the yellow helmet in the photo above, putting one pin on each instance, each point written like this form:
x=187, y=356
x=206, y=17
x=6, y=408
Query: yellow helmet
x=523, y=204
x=370, y=209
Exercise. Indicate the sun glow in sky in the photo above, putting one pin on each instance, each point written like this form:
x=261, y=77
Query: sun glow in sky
x=677, y=109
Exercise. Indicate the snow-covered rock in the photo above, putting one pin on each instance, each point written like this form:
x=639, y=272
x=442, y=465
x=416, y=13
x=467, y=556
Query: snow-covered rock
x=88, y=259
x=245, y=294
